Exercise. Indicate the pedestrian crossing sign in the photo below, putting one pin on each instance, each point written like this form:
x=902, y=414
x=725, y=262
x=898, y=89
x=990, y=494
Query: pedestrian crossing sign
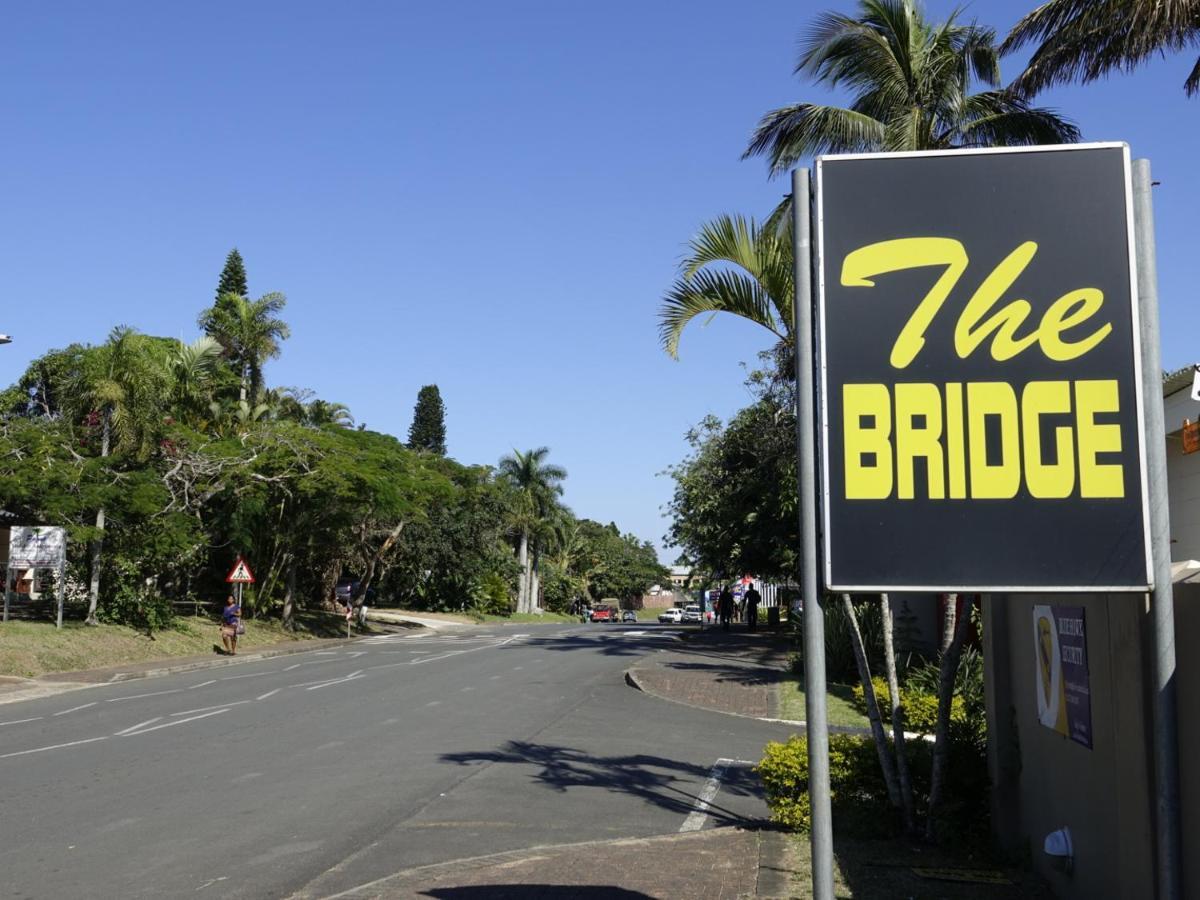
x=241, y=573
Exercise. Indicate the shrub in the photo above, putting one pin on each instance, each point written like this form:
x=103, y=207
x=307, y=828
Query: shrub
x=839, y=651
x=920, y=706
x=858, y=795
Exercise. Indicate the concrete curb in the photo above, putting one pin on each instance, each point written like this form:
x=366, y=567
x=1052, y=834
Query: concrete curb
x=632, y=680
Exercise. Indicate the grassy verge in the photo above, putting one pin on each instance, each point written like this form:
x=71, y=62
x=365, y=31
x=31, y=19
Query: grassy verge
x=28, y=649
x=839, y=704
x=531, y=618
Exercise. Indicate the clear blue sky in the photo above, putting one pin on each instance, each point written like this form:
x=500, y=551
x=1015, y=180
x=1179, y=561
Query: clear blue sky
x=487, y=196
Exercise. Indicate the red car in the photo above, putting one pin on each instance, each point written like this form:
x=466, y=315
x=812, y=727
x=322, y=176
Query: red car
x=603, y=614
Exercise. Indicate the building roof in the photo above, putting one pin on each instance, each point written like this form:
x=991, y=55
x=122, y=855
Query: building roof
x=1178, y=380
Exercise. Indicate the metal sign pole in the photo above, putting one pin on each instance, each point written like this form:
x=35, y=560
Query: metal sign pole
x=7, y=581
x=814, y=614
x=1162, y=609
x=61, y=589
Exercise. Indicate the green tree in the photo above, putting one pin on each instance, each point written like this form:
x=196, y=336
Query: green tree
x=250, y=332
x=539, y=484
x=192, y=369
x=428, y=429
x=120, y=393
x=233, y=276
x=1083, y=40
x=733, y=265
x=910, y=81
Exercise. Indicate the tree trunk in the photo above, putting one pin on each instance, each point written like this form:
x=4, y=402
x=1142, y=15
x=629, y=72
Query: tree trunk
x=523, y=579
x=535, y=580
x=97, y=544
x=289, y=596
x=864, y=673
x=949, y=619
x=946, y=678
x=889, y=656
x=376, y=557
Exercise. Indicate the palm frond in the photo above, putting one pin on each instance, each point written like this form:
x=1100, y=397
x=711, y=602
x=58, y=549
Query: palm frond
x=789, y=134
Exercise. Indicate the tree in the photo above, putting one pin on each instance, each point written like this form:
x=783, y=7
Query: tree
x=538, y=484
x=250, y=332
x=910, y=81
x=233, y=276
x=1083, y=40
x=733, y=265
x=428, y=429
x=120, y=392
x=192, y=367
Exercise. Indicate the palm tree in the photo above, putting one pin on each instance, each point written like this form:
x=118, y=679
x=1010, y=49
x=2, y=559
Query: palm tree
x=1082, y=40
x=250, y=332
x=323, y=412
x=121, y=389
x=910, y=81
x=191, y=367
x=539, y=484
x=733, y=265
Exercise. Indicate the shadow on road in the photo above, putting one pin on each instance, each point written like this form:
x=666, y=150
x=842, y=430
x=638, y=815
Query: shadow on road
x=651, y=778
x=733, y=673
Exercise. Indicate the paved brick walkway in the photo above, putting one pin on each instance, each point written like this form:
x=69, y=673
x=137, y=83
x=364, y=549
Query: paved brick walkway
x=719, y=864
x=734, y=672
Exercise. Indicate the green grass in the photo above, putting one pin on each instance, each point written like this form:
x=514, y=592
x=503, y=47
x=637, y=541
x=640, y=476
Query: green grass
x=839, y=704
x=29, y=649
x=531, y=618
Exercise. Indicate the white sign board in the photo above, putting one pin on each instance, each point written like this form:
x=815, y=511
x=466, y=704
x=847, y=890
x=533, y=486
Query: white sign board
x=36, y=547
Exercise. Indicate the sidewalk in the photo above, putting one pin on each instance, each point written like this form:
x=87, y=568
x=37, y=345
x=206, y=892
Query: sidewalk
x=718, y=864
x=735, y=671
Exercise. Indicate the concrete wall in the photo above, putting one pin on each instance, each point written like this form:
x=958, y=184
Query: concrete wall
x=1044, y=780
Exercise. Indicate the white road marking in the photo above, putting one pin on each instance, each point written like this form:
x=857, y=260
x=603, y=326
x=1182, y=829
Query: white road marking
x=140, y=696
x=21, y=721
x=296, y=666
x=250, y=675
x=203, y=684
x=268, y=694
x=469, y=687
x=635, y=633
x=517, y=668
x=698, y=815
x=53, y=747
x=214, y=706
x=137, y=726
x=353, y=676
x=357, y=653
x=76, y=708
x=494, y=677
x=434, y=703
x=173, y=724
x=327, y=652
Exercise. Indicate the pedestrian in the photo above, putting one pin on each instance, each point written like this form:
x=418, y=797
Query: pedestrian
x=753, y=598
x=231, y=625
x=725, y=606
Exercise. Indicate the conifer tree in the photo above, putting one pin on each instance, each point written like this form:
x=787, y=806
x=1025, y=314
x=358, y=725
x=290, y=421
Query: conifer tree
x=428, y=429
x=233, y=276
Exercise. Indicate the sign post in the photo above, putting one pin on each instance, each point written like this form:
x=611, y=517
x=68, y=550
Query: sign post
x=37, y=547
x=238, y=576
x=991, y=412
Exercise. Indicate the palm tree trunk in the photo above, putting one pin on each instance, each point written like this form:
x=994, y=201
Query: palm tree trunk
x=864, y=673
x=946, y=679
x=949, y=619
x=535, y=597
x=97, y=544
x=523, y=579
x=908, y=806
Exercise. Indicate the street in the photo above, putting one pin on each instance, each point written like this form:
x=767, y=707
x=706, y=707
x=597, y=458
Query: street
x=313, y=773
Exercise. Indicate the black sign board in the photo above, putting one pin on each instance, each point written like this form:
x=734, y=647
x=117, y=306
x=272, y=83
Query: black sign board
x=980, y=373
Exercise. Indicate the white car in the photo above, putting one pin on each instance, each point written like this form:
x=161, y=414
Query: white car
x=691, y=613
x=673, y=616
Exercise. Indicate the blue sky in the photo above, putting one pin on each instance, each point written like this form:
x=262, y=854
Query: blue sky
x=491, y=197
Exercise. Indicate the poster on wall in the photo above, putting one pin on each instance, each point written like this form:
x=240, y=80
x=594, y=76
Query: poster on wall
x=1064, y=696
x=981, y=410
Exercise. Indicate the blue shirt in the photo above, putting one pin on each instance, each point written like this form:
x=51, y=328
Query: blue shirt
x=231, y=614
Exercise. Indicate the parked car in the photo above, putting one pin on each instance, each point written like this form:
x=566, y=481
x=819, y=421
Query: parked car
x=629, y=616
x=691, y=613
x=673, y=616
x=602, y=614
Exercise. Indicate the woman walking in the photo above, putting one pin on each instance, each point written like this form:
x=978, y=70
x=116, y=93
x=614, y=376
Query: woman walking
x=231, y=625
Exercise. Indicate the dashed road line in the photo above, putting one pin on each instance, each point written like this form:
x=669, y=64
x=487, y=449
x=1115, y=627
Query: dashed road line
x=53, y=747
x=140, y=696
x=76, y=708
x=214, y=706
x=249, y=675
x=128, y=733
x=137, y=726
x=268, y=694
x=698, y=815
x=203, y=684
x=22, y=721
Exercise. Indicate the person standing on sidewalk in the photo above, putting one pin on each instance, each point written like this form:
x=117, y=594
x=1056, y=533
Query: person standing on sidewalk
x=753, y=598
x=725, y=606
x=231, y=625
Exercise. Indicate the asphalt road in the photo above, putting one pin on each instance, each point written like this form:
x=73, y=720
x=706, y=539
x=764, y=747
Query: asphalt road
x=313, y=773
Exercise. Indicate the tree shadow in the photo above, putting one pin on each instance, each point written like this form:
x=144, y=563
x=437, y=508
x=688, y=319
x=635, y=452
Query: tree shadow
x=653, y=779
x=732, y=673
